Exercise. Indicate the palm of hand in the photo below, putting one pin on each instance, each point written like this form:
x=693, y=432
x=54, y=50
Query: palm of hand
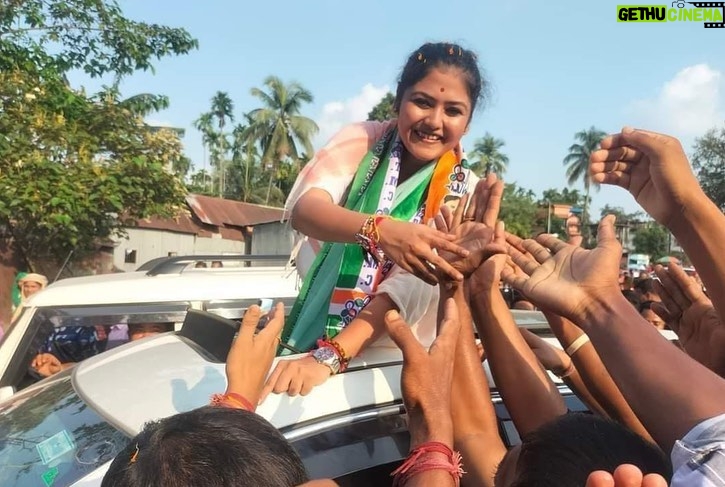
x=702, y=334
x=578, y=274
x=476, y=238
x=646, y=190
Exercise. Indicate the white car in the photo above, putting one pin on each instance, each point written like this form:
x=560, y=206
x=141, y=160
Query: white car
x=161, y=292
x=65, y=430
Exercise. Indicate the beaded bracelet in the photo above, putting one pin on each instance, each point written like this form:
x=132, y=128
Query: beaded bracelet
x=369, y=238
x=420, y=460
x=232, y=400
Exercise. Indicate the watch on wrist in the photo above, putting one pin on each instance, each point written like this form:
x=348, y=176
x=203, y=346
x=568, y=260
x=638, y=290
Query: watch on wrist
x=327, y=356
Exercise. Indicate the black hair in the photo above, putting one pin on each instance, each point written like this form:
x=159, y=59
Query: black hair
x=563, y=452
x=644, y=305
x=645, y=285
x=209, y=447
x=442, y=54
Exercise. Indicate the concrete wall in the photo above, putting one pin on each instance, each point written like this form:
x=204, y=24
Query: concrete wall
x=271, y=239
x=150, y=244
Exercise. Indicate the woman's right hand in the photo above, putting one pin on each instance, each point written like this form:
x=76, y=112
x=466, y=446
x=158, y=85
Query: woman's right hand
x=298, y=376
x=413, y=247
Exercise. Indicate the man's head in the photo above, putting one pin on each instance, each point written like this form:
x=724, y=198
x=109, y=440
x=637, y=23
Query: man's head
x=211, y=447
x=646, y=289
x=565, y=451
x=137, y=331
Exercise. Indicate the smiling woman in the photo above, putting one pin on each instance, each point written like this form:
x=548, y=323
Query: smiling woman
x=370, y=196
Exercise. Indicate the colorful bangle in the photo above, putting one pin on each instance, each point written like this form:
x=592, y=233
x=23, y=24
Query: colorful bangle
x=369, y=238
x=420, y=460
x=232, y=400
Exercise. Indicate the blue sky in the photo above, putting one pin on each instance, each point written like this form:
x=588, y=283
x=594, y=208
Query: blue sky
x=556, y=67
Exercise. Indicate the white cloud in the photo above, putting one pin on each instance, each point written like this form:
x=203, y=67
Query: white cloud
x=158, y=123
x=337, y=114
x=687, y=105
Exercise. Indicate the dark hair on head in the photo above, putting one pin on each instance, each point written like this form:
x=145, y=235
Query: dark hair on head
x=645, y=285
x=644, y=305
x=563, y=452
x=210, y=447
x=441, y=54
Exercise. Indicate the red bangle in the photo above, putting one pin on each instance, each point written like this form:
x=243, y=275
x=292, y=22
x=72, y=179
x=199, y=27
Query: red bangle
x=420, y=460
x=232, y=400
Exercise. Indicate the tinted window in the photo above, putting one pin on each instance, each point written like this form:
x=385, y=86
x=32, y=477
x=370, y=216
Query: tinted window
x=111, y=321
x=49, y=436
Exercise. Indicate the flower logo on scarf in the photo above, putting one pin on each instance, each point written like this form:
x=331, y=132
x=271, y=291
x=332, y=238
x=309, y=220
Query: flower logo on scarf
x=458, y=175
x=352, y=308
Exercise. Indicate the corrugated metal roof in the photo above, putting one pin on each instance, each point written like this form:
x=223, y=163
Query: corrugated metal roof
x=182, y=223
x=220, y=212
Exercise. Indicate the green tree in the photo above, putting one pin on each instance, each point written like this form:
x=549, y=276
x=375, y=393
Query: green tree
x=75, y=167
x=518, y=210
x=708, y=161
x=621, y=215
x=577, y=162
x=545, y=220
x=384, y=110
x=651, y=240
x=486, y=156
x=278, y=127
x=93, y=36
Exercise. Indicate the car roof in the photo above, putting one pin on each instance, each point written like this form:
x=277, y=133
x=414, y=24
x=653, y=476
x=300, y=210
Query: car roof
x=191, y=285
x=143, y=390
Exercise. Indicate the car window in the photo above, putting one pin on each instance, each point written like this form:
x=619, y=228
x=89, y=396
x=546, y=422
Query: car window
x=74, y=333
x=49, y=436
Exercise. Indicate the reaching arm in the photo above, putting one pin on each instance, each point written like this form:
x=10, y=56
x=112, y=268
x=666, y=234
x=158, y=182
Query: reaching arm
x=648, y=370
x=475, y=429
x=595, y=376
x=655, y=170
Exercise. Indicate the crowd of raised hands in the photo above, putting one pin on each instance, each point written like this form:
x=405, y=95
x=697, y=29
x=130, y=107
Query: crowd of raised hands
x=658, y=409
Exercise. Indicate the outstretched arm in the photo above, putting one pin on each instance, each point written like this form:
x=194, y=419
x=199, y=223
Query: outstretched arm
x=655, y=170
x=582, y=286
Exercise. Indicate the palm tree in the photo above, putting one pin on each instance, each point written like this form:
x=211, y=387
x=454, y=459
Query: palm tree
x=487, y=155
x=577, y=160
x=278, y=126
x=222, y=108
x=204, y=125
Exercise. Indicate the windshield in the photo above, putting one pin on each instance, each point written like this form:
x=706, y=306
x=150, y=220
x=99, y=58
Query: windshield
x=49, y=436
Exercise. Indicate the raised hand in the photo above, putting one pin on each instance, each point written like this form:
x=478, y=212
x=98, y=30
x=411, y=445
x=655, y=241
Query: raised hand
x=565, y=279
x=251, y=356
x=652, y=167
x=476, y=231
x=46, y=364
x=413, y=246
x=690, y=314
x=427, y=376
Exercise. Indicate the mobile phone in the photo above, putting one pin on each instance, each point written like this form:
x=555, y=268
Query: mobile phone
x=265, y=306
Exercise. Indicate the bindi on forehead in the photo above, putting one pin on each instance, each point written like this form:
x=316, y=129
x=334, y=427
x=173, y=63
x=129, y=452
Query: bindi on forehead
x=443, y=90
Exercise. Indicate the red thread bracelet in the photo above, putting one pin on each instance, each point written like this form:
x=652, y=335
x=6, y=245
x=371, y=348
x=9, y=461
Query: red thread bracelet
x=232, y=400
x=416, y=463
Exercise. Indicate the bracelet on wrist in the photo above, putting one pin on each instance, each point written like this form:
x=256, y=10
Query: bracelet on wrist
x=232, y=400
x=368, y=237
x=577, y=344
x=425, y=457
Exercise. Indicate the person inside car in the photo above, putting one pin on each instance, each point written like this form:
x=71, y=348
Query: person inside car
x=68, y=345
